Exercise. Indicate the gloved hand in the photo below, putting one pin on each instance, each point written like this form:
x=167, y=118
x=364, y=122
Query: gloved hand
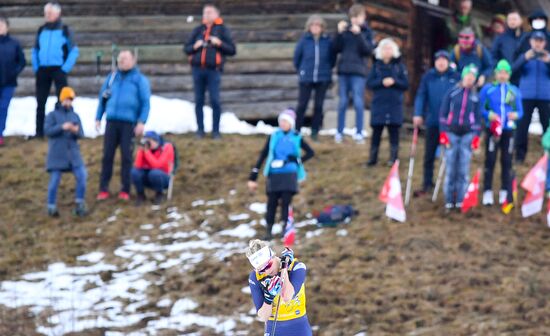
x=292, y=159
x=444, y=139
x=287, y=257
x=475, y=142
x=272, y=287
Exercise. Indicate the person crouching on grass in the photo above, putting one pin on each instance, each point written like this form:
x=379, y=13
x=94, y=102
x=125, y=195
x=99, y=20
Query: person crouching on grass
x=284, y=168
x=152, y=167
x=460, y=125
x=63, y=129
x=273, y=279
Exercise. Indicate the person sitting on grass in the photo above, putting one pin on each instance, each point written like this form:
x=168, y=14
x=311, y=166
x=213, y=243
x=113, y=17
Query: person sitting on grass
x=284, y=168
x=63, y=129
x=152, y=167
x=460, y=125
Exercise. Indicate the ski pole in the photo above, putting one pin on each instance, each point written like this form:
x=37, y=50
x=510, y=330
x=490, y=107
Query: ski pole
x=276, y=314
x=439, y=174
x=411, y=167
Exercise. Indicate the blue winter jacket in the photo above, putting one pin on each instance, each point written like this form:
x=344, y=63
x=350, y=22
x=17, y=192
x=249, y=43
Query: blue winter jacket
x=479, y=56
x=314, y=59
x=460, y=113
x=54, y=47
x=12, y=60
x=387, y=102
x=534, y=80
x=506, y=44
x=63, y=147
x=130, y=95
x=500, y=99
x=433, y=87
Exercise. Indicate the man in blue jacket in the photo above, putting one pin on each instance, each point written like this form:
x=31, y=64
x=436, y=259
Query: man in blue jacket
x=538, y=20
x=12, y=62
x=501, y=106
x=124, y=99
x=53, y=56
x=505, y=45
x=534, y=70
x=207, y=47
x=433, y=87
x=470, y=50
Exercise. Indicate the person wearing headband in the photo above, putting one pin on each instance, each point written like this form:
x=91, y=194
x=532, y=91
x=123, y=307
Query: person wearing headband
x=277, y=287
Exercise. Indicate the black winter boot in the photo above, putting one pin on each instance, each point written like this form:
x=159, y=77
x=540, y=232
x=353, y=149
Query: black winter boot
x=373, y=157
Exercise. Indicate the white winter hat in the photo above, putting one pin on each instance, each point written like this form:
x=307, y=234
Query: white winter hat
x=288, y=115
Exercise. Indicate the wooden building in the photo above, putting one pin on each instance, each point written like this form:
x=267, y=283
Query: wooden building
x=260, y=80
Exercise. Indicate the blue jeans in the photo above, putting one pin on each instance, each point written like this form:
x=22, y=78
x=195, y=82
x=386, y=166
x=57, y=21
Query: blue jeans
x=207, y=79
x=155, y=179
x=6, y=93
x=55, y=177
x=458, y=157
x=355, y=84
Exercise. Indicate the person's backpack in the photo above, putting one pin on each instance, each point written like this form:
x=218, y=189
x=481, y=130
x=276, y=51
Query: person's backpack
x=333, y=215
x=479, y=52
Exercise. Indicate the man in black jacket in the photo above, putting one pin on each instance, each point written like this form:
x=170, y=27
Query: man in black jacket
x=354, y=42
x=207, y=48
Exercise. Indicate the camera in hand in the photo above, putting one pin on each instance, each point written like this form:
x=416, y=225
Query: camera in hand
x=145, y=142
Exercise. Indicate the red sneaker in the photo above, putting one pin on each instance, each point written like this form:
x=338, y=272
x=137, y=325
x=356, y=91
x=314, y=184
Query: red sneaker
x=124, y=196
x=103, y=195
x=2, y=141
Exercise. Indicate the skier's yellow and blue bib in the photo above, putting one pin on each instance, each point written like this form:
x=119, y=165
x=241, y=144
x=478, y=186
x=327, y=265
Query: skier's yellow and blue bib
x=296, y=307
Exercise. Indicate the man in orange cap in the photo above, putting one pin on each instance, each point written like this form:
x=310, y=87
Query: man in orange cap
x=63, y=129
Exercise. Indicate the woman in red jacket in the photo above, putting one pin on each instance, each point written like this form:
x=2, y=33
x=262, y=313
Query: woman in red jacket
x=153, y=166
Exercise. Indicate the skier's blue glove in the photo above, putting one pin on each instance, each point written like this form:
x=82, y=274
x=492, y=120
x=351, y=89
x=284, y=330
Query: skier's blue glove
x=287, y=257
x=272, y=287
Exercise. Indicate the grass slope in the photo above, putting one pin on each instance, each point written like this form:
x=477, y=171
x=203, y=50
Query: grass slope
x=480, y=273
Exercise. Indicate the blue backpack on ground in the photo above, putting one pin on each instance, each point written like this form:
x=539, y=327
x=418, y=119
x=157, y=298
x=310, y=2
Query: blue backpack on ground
x=333, y=215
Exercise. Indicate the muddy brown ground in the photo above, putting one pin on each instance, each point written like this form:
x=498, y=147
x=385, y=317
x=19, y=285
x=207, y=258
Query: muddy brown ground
x=477, y=274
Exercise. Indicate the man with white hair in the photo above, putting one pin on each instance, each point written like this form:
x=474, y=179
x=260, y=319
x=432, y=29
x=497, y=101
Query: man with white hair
x=53, y=56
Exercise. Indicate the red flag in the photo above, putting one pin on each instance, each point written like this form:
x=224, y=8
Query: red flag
x=534, y=184
x=391, y=195
x=471, y=198
x=290, y=229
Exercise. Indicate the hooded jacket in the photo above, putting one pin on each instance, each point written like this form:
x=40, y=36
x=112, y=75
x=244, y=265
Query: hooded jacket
x=354, y=50
x=433, y=87
x=12, y=60
x=387, y=102
x=209, y=56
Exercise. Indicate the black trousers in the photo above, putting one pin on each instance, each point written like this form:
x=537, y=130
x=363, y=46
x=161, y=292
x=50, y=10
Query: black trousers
x=273, y=198
x=492, y=147
x=44, y=78
x=117, y=133
x=377, y=130
x=432, y=142
x=303, y=100
x=522, y=134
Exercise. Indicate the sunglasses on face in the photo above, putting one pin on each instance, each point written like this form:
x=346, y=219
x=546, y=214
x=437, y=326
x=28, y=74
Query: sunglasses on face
x=465, y=37
x=266, y=267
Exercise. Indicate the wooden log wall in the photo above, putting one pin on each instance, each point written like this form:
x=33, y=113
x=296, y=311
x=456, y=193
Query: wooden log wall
x=258, y=82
